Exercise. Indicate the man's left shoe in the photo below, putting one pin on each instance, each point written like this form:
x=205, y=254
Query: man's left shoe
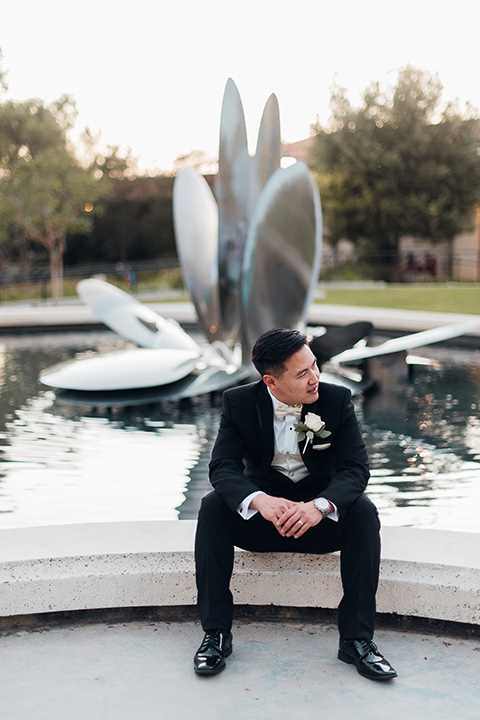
x=364, y=654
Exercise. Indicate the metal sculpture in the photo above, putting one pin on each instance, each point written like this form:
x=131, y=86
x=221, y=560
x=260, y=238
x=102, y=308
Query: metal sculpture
x=250, y=256
x=266, y=257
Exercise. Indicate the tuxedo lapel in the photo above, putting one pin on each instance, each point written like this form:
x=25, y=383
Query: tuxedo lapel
x=308, y=454
x=264, y=408
x=311, y=408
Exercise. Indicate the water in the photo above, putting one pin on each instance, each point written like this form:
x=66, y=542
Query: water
x=62, y=463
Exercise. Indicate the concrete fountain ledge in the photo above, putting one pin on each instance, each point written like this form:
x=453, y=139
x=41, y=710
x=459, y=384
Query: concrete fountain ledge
x=425, y=573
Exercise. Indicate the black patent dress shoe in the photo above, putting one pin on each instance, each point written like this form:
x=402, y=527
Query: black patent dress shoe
x=364, y=654
x=210, y=656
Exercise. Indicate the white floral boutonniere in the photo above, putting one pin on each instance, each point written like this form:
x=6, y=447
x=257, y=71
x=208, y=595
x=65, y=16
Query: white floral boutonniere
x=312, y=426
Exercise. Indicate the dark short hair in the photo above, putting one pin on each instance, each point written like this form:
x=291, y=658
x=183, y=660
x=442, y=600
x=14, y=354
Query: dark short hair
x=274, y=348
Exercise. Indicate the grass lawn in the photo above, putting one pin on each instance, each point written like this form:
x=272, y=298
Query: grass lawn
x=432, y=297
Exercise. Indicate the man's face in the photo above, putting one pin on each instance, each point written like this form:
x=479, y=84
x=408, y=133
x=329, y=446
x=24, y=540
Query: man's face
x=299, y=382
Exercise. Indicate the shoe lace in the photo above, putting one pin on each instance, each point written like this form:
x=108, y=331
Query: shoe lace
x=212, y=638
x=368, y=646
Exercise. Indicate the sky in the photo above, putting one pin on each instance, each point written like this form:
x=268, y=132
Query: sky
x=149, y=75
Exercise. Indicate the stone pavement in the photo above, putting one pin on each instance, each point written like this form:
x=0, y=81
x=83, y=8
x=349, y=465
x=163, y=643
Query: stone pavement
x=142, y=670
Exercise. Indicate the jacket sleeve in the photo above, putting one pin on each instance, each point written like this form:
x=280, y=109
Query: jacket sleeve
x=350, y=468
x=227, y=464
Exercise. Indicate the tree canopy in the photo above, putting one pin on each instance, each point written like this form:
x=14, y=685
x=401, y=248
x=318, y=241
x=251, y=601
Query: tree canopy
x=45, y=192
x=404, y=163
x=49, y=196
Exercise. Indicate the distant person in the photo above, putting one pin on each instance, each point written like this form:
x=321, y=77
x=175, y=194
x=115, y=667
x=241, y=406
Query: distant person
x=133, y=280
x=130, y=278
x=278, y=491
x=430, y=265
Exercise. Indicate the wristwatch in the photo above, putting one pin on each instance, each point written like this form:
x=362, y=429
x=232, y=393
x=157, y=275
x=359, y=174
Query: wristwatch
x=323, y=505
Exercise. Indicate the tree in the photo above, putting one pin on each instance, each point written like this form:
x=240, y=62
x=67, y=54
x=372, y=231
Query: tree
x=45, y=192
x=49, y=196
x=402, y=164
x=26, y=130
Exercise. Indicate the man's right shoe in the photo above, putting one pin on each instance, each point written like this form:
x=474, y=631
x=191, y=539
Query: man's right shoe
x=369, y=661
x=210, y=656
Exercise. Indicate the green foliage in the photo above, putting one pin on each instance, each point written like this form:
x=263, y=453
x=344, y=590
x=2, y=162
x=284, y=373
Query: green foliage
x=400, y=165
x=27, y=129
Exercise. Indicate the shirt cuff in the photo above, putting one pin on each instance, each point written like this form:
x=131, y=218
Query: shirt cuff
x=244, y=508
x=334, y=514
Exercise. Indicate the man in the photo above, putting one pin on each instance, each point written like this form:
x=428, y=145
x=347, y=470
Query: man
x=273, y=493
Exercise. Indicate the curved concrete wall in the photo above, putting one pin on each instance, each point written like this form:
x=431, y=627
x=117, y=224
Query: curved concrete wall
x=424, y=573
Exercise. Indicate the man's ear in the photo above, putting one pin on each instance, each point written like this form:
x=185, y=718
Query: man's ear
x=270, y=381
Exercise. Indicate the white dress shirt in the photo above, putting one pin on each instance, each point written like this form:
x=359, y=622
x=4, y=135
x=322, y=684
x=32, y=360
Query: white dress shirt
x=287, y=459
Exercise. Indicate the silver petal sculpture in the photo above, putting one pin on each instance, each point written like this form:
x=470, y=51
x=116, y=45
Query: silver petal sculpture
x=268, y=219
x=232, y=193
x=282, y=254
x=130, y=369
x=195, y=216
x=132, y=319
x=268, y=154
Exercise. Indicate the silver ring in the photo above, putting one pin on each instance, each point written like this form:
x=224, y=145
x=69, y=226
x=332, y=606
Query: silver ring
x=299, y=521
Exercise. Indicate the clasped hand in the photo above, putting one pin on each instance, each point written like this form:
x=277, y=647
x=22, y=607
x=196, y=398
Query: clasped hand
x=291, y=519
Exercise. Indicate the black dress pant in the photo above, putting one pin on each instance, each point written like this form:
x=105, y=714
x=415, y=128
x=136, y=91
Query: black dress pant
x=356, y=535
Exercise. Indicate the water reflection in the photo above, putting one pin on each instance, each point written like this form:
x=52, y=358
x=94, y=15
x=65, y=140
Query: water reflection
x=64, y=464
x=424, y=444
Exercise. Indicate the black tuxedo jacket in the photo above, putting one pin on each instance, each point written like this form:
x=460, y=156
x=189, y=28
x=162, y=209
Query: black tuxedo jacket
x=244, y=449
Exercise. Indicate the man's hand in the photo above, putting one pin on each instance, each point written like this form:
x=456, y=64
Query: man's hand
x=292, y=519
x=296, y=520
x=271, y=508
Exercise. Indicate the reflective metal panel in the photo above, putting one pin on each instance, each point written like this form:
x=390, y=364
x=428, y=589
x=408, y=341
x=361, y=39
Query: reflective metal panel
x=268, y=153
x=195, y=218
x=232, y=192
x=122, y=370
x=282, y=254
x=132, y=319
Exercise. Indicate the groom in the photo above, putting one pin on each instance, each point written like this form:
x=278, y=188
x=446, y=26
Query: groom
x=276, y=492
